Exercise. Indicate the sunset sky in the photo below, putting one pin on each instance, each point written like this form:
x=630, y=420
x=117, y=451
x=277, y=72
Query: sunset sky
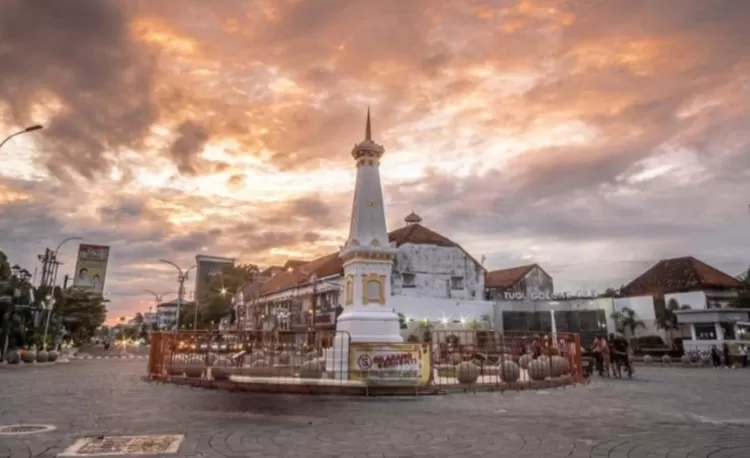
x=593, y=137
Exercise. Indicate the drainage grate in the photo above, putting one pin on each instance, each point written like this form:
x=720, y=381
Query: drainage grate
x=125, y=445
x=19, y=430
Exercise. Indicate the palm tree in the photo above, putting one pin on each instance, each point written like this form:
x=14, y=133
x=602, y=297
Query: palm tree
x=666, y=318
x=627, y=319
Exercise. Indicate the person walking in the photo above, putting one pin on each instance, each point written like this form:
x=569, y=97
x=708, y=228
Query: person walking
x=727, y=357
x=743, y=355
x=715, y=357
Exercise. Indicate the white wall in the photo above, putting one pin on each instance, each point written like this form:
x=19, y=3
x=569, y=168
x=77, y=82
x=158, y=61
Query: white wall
x=643, y=306
x=433, y=267
x=695, y=299
x=435, y=309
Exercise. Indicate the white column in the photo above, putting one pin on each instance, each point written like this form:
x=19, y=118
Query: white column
x=554, y=325
x=693, y=334
x=719, y=331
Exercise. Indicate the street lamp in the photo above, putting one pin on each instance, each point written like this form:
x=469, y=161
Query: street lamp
x=54, y=256
x=181, y=277
x=20, y=132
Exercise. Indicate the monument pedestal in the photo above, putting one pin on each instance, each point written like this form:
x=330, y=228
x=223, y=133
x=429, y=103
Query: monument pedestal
x=360, y=326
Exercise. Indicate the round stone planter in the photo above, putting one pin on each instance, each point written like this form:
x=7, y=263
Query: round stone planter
x=705, y=360
x=52, y=356
x=311, y=370
x=524, y=361
x=28, y=356
x=648, y=359
x=42, y=356
x=191, y=366
x=685, y=360
x=284, y=358
x=559, y=366
x=509, y=371
x=454, y=358
x=538, y=370
x=666, y=360
x=467, y=372
x=13, y=357
x=222, y=368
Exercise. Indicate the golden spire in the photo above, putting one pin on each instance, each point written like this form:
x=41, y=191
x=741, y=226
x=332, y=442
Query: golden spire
x=368, y=128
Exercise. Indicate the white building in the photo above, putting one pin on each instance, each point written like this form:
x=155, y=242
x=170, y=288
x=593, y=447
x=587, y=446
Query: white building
x=431, y=278
x=687, y=282
x=166, y=314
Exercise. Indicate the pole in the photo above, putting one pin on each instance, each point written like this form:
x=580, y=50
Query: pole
x=195, y=315
x=46, y=325
x=314, y=300
x=180, y=295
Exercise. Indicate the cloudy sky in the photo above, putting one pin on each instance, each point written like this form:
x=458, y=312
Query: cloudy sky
x=594, y=137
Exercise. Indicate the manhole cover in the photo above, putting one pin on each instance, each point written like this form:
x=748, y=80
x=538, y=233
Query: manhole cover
x=17, y=430
x=124, y=445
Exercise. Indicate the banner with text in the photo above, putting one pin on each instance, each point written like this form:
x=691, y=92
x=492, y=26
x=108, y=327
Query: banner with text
x=91, y=268
x=391, y=364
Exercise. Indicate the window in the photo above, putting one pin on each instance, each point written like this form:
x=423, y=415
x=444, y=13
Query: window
x=705, y=331
x=457, y=282
x=373, y=289
x=407, y=280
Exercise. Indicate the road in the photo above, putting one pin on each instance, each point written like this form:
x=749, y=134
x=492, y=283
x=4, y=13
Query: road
x=662, y=413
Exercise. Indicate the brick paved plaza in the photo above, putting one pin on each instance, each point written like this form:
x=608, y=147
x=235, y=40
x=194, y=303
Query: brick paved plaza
x=662, y=413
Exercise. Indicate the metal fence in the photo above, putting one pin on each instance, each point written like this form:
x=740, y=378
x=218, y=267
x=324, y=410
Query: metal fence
x=511, y=360
x=328, y=362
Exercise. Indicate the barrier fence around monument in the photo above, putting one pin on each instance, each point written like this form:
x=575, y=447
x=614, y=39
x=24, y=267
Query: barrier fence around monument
x=466, y=359
x=327, y=362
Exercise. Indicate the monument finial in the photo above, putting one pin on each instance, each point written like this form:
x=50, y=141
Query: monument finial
x=368, y=127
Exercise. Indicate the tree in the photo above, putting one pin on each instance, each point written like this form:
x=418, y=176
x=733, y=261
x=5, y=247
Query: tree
x=627, y=319
x=138, y=318
x=81, y=312
x=426, y=327
x=612, y=292
x=5, y=270
x=743, y=293
x=219, y=293
x=666, y=318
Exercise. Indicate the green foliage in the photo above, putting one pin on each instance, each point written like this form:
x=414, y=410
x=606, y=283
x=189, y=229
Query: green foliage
x=402, y=321
x=742, y=301
x=217, y=301
x=627, y=319
x=5, y=270
x=666, y=318
x=81, y=312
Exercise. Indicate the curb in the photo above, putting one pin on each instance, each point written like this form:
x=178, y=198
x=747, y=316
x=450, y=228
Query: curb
x=110, y=357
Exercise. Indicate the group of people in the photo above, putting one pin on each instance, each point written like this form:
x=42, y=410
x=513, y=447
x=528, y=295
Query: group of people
x=611, y=355
x=725, y=356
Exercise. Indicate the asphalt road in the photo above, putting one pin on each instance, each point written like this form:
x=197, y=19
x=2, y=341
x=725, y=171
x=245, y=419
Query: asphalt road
x=661, y=413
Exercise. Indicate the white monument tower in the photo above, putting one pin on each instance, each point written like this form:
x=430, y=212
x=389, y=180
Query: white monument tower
x=368, y=261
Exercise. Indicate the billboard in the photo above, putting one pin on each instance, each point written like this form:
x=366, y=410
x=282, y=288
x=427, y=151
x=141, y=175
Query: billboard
x=207, y=267
x=91, y=268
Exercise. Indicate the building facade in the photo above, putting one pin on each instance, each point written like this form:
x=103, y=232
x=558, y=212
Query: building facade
x=528, y=282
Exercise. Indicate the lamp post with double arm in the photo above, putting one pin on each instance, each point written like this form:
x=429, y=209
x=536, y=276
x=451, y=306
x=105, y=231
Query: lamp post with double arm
x=182, y=275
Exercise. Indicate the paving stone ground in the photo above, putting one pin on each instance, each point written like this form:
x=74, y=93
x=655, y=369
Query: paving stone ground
x=674, y=413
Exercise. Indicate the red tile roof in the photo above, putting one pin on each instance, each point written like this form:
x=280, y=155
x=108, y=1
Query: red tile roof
x=679, y=274
x=331, y=264
x=506, y=278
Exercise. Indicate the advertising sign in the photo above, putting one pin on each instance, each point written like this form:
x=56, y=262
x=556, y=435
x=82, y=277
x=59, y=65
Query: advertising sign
x=389, y=363
x=91, y=268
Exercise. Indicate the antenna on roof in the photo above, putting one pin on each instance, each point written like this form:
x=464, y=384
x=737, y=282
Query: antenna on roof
x=484, y=258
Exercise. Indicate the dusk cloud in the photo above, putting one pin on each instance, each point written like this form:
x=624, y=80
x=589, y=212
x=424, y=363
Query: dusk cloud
x=592, y=136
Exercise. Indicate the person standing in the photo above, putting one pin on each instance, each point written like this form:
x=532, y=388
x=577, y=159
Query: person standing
x=715, y=357
x=743, y=355
x=727, y=357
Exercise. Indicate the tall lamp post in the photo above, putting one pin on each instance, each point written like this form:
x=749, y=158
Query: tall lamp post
x=181, y=277
x=54, y=257
x=21, y=132
x=158, y=299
